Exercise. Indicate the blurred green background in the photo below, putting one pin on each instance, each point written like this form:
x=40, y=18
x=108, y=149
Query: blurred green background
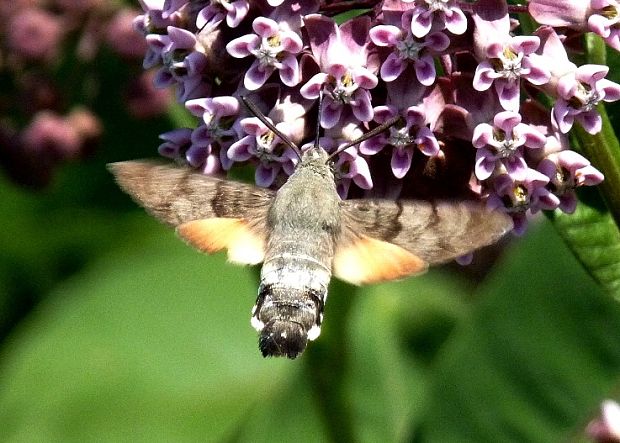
x=113, y=330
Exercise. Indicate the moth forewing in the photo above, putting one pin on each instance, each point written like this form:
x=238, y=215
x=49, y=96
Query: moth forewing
x=176, y=195
x=436, y=232
x=209, y=213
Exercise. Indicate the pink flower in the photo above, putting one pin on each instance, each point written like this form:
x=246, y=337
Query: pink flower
x=412, y=133
x=505, y=59
x=517, y=196
x=342, y=55
x=34, y=34
x=443, y=14
x=503, y=144
x=274, y=45
x=568, y=170
x=233, y=11
x=599, y=16
x=263, y=146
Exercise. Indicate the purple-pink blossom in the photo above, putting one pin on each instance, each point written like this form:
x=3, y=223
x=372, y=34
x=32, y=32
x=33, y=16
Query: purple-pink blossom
x=263, y=146
x=599, y=16
x=568, y=170
x=461, y=81
x=443, y=14
x=275, y=47
x=502, y=145
x=408, y=49
x=345, y=76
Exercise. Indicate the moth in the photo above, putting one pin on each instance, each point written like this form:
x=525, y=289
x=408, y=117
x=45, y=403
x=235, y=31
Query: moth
x=304, y=232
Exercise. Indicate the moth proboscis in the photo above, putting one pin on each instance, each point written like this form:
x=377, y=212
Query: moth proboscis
x=304, y=232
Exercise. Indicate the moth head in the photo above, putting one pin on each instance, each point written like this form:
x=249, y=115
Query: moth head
x=283, y=338
x=316, y=155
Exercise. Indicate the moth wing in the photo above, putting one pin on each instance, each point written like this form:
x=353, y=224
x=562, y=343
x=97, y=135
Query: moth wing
x=209, y=213
x=435, y=232
x=360, y=259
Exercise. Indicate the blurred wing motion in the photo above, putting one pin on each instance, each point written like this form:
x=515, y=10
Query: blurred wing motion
x=428, y=232
x=209, y=213
x=381, y=240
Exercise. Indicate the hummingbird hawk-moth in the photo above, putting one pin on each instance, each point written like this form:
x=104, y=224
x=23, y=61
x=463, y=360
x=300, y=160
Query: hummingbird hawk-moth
x=304, y=232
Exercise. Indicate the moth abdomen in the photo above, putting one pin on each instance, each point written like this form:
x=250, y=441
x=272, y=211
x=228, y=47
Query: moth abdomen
x=287, y=317
x=282, y=338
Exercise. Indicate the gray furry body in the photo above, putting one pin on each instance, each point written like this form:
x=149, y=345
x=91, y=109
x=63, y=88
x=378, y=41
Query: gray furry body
x=305, y=224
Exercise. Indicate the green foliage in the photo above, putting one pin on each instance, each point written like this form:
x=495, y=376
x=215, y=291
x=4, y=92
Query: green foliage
x=150, y=341
x=593, y=236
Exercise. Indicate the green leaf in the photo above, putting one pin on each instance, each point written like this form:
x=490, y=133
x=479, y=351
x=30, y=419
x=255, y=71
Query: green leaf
x=536, y=357
x=593, y=236
x=396, y=331
x=152, y=343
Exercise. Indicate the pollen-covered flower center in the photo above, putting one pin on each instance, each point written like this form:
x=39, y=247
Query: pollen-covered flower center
x=264, y=144
x=409, y=48
x=269, y=52
x=341, y=170
x=609, y=12
x=342, y=89
x=508, y=65
x=268, y=151
x=561, y=182
x=518, y=200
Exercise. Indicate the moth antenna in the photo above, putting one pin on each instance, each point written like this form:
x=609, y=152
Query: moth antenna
x=318, y=120
x=378, y=130
x=259, y=115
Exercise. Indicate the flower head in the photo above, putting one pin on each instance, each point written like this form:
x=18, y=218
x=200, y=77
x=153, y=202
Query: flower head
x=460, y=86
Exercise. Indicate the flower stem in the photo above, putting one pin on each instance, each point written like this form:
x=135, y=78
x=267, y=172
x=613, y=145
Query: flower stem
x=603, y=149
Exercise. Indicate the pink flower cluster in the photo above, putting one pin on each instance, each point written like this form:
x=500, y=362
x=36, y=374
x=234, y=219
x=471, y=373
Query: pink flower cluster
x=461, y=76
x=46, y=113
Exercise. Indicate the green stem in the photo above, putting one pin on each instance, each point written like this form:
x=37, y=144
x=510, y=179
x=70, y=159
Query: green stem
x=180, y=117
x=603, y=149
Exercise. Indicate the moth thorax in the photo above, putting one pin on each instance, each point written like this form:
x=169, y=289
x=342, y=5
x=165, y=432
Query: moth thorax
x=287, y=318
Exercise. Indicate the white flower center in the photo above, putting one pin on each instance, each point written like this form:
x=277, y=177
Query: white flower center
x=269, y=50
x=437, y=5
x=342, y=89
x=400, y=138
x=504, y=147
x=409, y=48
x=585, y=99
x=508, y=65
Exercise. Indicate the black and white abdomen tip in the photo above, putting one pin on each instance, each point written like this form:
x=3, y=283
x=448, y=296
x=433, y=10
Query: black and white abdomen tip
x=287, y=317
